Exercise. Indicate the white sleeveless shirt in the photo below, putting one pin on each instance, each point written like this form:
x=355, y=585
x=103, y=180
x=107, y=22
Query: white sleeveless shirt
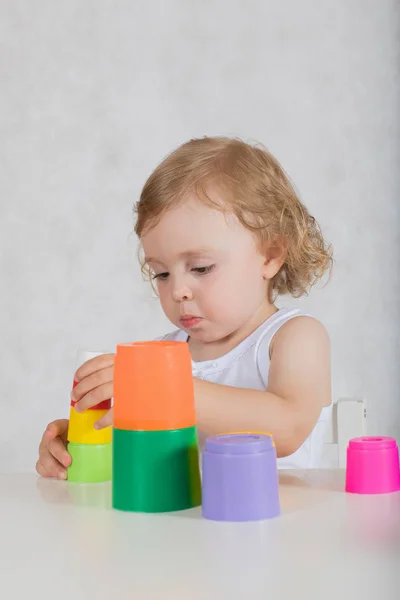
x=247, y=366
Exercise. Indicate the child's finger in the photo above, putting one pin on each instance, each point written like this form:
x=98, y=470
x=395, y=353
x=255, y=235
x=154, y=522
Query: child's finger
x=48, y=466
x=41, y=470
x=105, y=421
x=103, y=392
x=94, y=364
x=58, y=450
x=91, y=382
x=55, y=428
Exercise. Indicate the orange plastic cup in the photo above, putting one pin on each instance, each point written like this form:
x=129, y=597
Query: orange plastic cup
x=153, y=386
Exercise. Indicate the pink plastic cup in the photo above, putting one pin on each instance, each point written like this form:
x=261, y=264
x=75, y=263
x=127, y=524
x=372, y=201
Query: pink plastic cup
x=372, y=466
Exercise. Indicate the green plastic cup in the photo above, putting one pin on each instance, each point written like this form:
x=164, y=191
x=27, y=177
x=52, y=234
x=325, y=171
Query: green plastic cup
x=91, y=463
x=155, y=471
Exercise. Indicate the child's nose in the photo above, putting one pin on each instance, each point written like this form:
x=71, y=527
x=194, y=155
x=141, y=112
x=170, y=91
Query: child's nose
x=181, y=293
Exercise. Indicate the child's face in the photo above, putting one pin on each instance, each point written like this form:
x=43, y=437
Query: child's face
x=208, y=269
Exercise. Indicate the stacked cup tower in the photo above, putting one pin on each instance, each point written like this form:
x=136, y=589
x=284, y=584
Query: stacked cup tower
x=155, y=465
x=90, y=449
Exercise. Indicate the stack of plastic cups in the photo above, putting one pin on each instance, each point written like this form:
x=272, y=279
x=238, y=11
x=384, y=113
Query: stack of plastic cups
x=90, y=449
x=372, y=466
x=240, y=478
x=155, y=448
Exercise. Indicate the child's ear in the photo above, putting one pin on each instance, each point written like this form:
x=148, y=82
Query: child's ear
x=275, y=252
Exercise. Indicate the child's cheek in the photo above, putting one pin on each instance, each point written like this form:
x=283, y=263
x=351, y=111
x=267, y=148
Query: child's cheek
x=165, y=303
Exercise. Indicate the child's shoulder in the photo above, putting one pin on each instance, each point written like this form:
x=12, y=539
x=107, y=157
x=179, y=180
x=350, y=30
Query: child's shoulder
x=301, y=323
x=303, y=331
x=300, y=360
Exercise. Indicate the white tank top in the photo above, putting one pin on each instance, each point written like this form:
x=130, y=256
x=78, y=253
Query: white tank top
x=247, y=366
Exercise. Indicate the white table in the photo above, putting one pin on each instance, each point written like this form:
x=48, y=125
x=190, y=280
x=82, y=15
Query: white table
x=63, y=541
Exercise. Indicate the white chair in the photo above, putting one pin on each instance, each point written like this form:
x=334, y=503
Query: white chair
x=348, y=421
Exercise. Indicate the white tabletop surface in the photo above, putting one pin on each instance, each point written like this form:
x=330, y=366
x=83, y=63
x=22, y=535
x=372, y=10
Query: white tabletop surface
x=62, y=540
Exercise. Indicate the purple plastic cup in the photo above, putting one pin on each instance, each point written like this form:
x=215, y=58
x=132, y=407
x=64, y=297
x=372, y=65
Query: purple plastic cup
x=372, y=466
x=240, y=478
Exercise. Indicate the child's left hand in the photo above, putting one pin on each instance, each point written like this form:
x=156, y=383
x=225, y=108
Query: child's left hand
x=95, y=383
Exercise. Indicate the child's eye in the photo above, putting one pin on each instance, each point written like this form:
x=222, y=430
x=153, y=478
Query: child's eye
x=203, y=270
x=162, y=276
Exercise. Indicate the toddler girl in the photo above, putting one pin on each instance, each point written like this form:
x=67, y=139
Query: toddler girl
x=223, y=234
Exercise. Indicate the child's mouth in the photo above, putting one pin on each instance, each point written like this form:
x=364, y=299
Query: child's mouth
x=188, y=322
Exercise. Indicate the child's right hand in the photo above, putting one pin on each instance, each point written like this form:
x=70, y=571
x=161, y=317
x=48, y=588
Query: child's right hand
x=95, y=383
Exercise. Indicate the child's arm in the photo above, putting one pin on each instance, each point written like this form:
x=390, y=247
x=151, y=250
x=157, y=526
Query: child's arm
x=299, y=385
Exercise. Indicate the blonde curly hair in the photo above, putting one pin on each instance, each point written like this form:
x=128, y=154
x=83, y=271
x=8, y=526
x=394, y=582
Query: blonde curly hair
x=256, y=189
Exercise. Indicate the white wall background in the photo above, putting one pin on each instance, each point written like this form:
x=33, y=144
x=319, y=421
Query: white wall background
x=93, y=94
